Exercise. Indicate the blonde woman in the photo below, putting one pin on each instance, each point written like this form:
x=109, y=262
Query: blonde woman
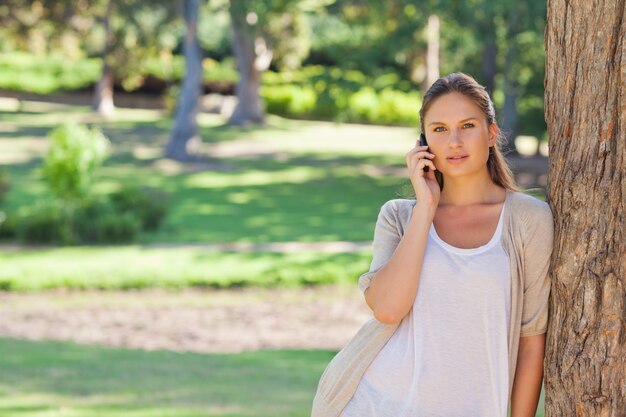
x=458, y=283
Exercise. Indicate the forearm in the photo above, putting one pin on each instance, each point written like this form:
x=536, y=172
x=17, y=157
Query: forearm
x=528, y=377
x=393, y=289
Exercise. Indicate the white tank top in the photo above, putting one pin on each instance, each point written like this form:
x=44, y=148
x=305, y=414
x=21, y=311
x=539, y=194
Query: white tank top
x=449, y=355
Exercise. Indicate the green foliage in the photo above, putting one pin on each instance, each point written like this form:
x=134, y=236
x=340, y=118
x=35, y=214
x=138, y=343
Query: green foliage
x=46, y=223
x=4, y=184
x=75, y=153
x=8, y=226
x=344, y=95
x=289, y=100
x=21, y=71
x=388, y=107
x=147, y=204
x=116, y=218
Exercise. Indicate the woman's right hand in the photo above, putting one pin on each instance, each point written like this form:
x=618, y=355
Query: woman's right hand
x=425, y=184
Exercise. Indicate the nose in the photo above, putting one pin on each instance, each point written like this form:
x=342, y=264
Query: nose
x=454, y=141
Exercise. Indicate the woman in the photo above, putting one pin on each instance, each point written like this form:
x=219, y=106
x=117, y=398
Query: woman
x=458, y=283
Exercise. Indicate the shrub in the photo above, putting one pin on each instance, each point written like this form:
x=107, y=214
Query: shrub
x=4, y=184
x=75, y=152
x=397, y=107
x=363, y=105
x=118, y=218
x=289, y=100
x=149, y=205
x=45, y=223
x=7, y=226
x=118, y=228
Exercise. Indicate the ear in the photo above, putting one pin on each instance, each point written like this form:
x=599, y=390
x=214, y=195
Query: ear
x=493, y=134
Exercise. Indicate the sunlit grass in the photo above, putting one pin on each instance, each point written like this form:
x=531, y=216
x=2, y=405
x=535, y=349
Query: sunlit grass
x=137, y=267
x=288, y=181
x=65, y=380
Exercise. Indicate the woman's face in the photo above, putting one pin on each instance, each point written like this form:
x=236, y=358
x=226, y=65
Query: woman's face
x=458, y=134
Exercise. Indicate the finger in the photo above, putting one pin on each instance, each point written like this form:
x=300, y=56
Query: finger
x=421, y=154
x=423, y=163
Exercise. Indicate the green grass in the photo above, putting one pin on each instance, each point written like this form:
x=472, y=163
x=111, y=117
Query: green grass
x=139, y=267
x=307, y=181
x=292, y=180
x=55, y=379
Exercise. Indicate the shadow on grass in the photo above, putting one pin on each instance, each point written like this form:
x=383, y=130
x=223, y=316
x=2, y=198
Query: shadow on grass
x=63, y=379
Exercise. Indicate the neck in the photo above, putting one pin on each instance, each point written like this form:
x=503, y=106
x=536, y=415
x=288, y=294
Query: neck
x=470, y=190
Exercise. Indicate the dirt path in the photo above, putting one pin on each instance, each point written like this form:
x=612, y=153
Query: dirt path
x=215, y=321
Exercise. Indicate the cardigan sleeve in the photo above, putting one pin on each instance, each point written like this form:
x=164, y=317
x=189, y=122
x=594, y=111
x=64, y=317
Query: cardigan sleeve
x=386, y=238
x=537, y=253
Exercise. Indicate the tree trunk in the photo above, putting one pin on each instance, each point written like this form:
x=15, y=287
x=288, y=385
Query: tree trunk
x=585, y=108
x=103, y=92
x=432, y=52
x=253, y=56
x=184, y=143
x=509, y=112
x=489, y=62
x=511, y=84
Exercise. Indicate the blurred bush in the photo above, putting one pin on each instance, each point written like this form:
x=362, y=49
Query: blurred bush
x=119, y=217
x=77, y=216
x=21, y=71
x=4, y=184
x=332, y=93
x=149, y=205
x=75, y=153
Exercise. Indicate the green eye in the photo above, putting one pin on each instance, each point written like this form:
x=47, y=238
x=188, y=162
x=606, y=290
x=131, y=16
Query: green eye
x=468, y=124
x=437, y=129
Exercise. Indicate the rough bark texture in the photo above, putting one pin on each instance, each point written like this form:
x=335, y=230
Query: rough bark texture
x=585, y=107
x=185, y=140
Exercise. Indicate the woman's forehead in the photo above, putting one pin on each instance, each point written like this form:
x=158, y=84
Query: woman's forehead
x=453, y=107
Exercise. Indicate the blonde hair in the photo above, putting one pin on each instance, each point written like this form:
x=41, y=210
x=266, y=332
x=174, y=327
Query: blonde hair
x=461, y=83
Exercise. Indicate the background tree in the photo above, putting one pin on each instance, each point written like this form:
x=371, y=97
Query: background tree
x=131, y=31
x=259, y=29
x=184, y=140
x=585, y=110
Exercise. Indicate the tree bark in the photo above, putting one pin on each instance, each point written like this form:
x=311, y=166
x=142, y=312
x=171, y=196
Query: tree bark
x=432, y=51
x=585, y=108
x=103, y=92
x=253, y=56
x=509, y=112
x=184, y=143
x=489, y=63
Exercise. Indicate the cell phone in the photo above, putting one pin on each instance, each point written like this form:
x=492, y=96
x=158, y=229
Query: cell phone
x=424, y=143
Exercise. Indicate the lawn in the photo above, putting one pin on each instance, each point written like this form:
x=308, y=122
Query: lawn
x=297, y=181
x=288, y=181
x=134, y=267
x=56, y=379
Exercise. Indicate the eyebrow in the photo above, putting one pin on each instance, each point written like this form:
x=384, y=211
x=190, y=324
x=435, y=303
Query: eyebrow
x=462, y=121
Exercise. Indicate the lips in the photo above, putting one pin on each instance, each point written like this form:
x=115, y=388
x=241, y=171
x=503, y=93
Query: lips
x=457, y=157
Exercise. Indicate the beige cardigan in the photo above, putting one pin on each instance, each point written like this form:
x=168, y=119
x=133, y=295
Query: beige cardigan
x=527, y=240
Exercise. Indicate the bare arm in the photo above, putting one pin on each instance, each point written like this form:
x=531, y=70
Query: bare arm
x=393, y=289
x=528, y=376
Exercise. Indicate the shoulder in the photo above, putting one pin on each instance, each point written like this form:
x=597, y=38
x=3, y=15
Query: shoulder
x=531, y=213
x=397, y=212
x=398, y=206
